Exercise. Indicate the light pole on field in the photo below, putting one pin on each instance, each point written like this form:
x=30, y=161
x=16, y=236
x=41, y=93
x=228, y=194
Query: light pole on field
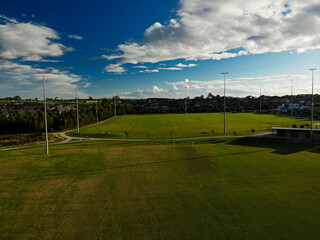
x=45, y=116
x=311, y=130
x=78, y=125
x=260, y=97
x=45, y=110
x=224, y=99
x=115, y=105
x=185, y=96
x=291, y=97
x=97, y=104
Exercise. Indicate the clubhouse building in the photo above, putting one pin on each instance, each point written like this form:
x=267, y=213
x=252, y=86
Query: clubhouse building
x=298, y=135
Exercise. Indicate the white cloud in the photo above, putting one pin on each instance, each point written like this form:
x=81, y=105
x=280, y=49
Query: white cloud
x=28, y=41
x=170, y=68
x=26, y=81
x=180, y=65
x=156, y=89
x=154, y=92
x=140, y=67
x=115, y=68
x=206, y=29
x=271, y=85
x=74, y=36
x=149, y=71
x=240, y=87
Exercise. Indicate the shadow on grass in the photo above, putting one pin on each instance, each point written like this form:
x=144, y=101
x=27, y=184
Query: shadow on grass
x=315, y=150
x=193, y=157
x=278, y=145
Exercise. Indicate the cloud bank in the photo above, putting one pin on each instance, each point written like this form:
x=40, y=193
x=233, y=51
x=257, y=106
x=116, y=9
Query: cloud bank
x=26, y=81
x=204, y=29
x=32, y=42
x=239, y=87
x=28, y=41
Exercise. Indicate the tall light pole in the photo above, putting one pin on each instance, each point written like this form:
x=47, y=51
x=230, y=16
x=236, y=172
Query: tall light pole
x=260, y=97
x=96, y=104
x=291, y=97
x=115, y=105
x=224, y=99
x=311, y=135
x=185, y=97
x=77, y=108
x=45, y=110
x=45, y=116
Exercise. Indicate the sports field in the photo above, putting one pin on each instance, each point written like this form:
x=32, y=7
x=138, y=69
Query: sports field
x=215, y=189
x=186, y=125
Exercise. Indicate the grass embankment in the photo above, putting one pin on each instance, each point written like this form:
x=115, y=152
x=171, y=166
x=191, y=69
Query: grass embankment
x=218, y=189
x=18, y=140
x=186, y=125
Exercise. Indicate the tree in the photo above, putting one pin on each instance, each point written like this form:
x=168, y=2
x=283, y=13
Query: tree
x=17, y=98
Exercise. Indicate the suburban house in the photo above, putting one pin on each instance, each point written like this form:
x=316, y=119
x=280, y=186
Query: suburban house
x=286, y=107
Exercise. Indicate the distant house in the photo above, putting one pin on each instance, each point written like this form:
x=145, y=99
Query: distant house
x=298, y=135
x=286, y=107
x=164, y=109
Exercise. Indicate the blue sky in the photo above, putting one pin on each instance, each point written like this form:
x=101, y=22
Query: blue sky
x=139, y=49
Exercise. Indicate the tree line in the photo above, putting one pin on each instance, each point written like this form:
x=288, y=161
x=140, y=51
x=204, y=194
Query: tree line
x=33, y=122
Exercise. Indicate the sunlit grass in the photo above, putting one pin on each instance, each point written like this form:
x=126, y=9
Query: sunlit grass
x=214, y=189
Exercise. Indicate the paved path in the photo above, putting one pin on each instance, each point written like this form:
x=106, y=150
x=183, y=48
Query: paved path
x=69, y=138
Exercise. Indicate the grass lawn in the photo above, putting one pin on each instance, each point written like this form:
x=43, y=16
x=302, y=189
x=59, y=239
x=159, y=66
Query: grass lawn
x=186, y=125
x=216, y=189
x=18, y=140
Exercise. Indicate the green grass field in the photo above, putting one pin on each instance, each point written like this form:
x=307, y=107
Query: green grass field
x=216, y=189
x=186, y=125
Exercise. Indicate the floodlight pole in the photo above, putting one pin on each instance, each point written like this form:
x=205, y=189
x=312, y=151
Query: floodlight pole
x=77, y=108
x=224, y=99
x=45, y=110
x=97, y=105
x=115, y=105
x=291, y=97
x=311, y=130
x=260, y=97
x=45, y=116
x=185, y=99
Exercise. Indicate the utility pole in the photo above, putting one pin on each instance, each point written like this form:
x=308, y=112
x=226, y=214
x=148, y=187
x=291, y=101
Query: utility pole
x=224, y=100
x=77, y=108
x=311, y=130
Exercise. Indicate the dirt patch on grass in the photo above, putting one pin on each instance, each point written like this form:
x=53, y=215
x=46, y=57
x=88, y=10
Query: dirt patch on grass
x=195, y=163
